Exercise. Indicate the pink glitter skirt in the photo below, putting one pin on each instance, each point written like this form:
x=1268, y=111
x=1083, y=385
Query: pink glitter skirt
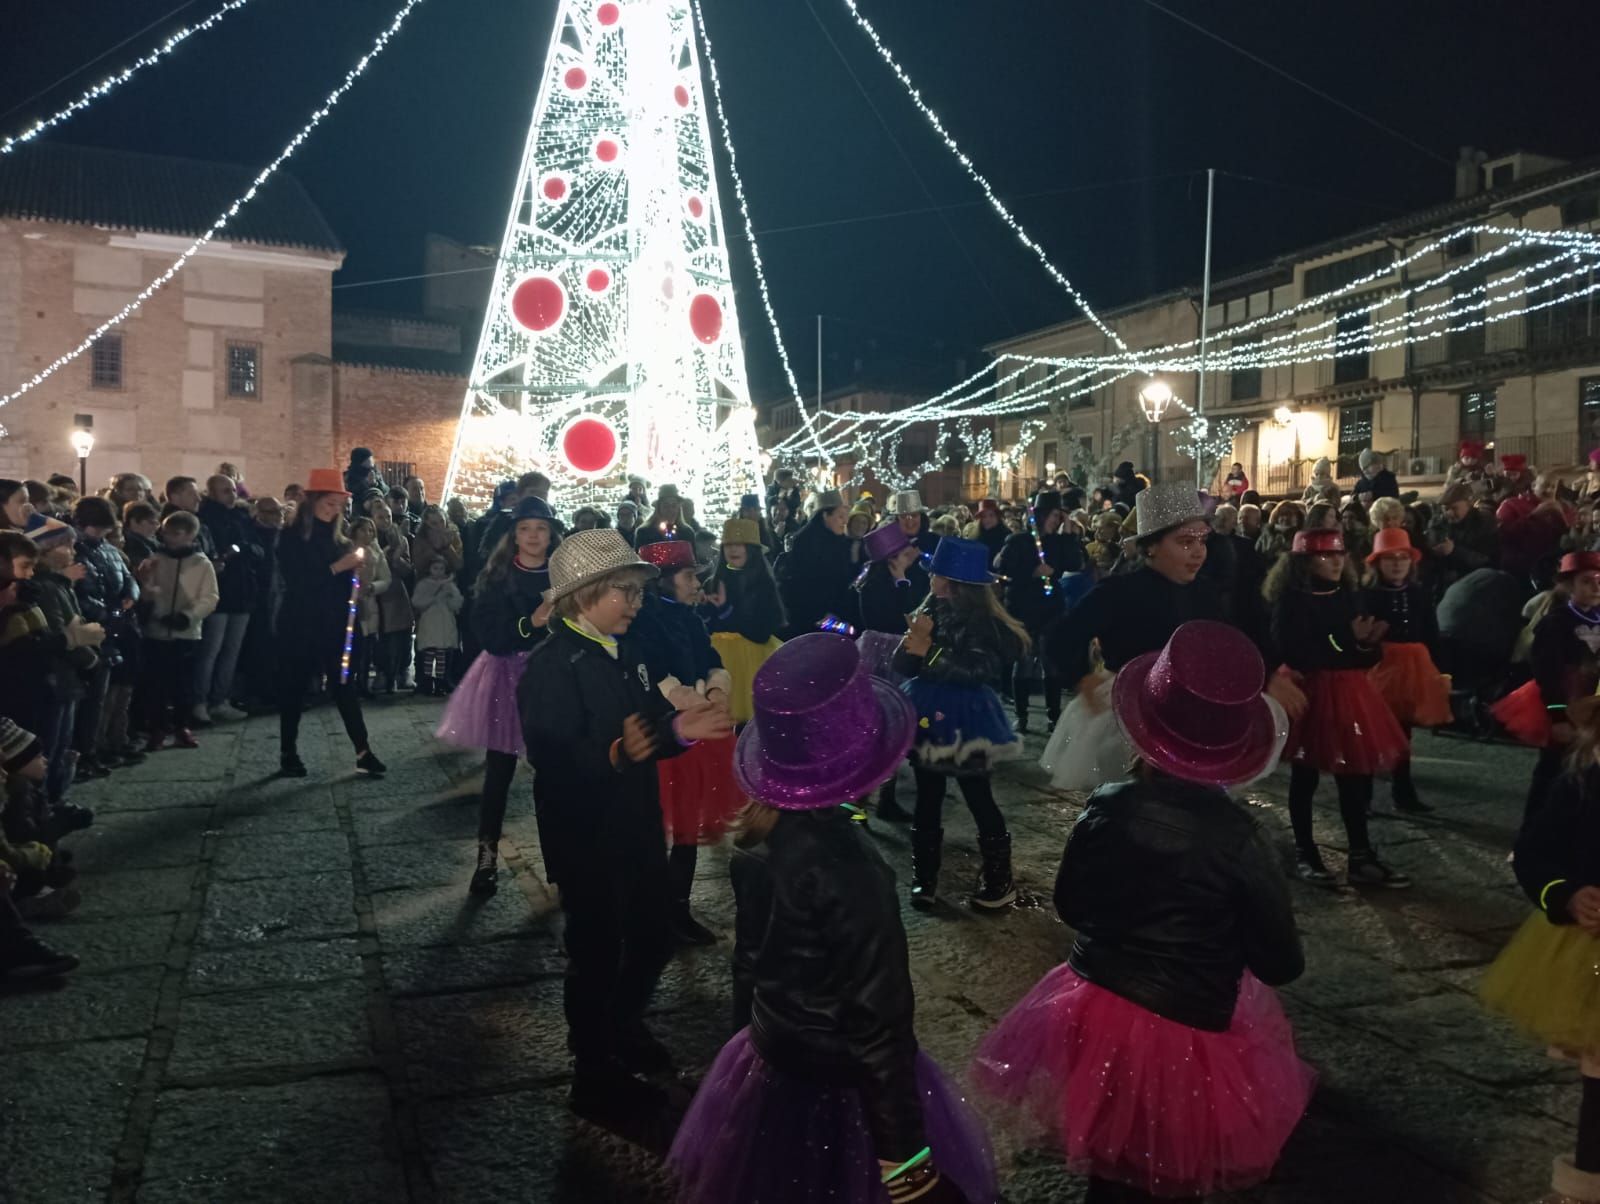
x=1137, y=1099
x=482, y=711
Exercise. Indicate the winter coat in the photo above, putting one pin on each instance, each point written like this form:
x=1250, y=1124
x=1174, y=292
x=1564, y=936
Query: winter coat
x=1558, y=849
x=316, y=602
x=437, y=604
x=1566, y=655
x=752, y=608
x=108, y=581
x=1024, y=592
x=239, y=576
x=375, y=583
x=885, y=602
x=968, y=650
x=1311, y=630
x=182, y=590
x=1370, y=489
x=573, y=700
x=994, y=539
x=1530, y=539
x=58, y=598
x=426, y=548
x=502, y=610
x=35, y=662
x=1130, y=614
x=1174, y=893
x=820, y=955
x=672, y=641
x=395, y=612
x=1476, y=543
x=138, y=548
x=814, y=577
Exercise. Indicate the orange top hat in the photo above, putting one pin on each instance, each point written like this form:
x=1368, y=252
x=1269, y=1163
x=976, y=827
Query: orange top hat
x=1390, y=540
x=326, y=480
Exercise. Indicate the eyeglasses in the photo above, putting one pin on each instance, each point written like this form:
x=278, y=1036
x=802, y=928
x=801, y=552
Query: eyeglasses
x=630, y=593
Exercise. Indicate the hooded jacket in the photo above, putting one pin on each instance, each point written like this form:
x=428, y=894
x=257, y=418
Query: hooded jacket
x=182, y=591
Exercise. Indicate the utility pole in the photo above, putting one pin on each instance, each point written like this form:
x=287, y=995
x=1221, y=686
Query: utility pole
x=1205, y=314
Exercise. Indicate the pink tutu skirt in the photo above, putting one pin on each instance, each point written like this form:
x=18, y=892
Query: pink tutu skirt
x=482, y=711
x=699, y=794
x=755, y=1135
x=1347, y=728
x=1137, y=1099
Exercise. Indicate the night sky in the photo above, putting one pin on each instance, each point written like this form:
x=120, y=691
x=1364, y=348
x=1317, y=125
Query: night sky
x=1096, y=116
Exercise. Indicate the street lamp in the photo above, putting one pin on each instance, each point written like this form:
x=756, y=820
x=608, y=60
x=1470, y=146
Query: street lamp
x=1283, y=415
x=83, y=444
x=1154, y=399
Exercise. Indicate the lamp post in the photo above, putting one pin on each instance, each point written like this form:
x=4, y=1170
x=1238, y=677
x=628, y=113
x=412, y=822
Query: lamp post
x=1154, y=399
x=83, y=444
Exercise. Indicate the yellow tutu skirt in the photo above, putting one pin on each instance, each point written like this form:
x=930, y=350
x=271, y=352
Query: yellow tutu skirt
x=1546, y=981
x=741, y=659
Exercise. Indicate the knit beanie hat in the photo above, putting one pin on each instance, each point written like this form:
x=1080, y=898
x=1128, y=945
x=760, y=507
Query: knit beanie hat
x=47, y=532
x=17, y=746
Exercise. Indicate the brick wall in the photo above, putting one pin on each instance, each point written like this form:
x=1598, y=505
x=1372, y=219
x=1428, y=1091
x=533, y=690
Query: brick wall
x=400, y=415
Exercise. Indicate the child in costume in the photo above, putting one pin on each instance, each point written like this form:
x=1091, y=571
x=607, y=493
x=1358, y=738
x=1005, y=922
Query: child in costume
x=823, y=1093
x=698, y=793
x=437, y=601
x=953, y=657
x=891, y=589
x=1346, y=729
x=1545, y=981
x=511, y=617
x=1158, y=1056
x=595, y=724
x=1407, y=678
x=1565, y=660
x=748, y=614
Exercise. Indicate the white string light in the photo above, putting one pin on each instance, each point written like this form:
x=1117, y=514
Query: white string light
x=112, y=82
x=978, y=177
x=227, y=214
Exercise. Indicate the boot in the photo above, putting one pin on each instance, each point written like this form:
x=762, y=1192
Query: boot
x=1404, y=792
x=889, y=808
x=485, y=876
x=1569, y=1185
x=995, y=888
x=927, y=851
x=686, y=930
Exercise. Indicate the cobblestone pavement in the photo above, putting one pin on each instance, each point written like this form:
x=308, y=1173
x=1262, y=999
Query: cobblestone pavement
x=286, y=995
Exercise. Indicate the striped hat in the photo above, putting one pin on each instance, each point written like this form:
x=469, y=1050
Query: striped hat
x=17, y=746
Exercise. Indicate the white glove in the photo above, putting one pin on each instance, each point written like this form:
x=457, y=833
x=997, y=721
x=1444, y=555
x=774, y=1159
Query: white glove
x=80, y=634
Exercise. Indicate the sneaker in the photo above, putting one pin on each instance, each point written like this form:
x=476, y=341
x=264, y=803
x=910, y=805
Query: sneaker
x=23, y=956
x=200, y=716
x=369, y=764
x=485, y=879
x=291, y=766
x=185, y=739
x=155, y=742
x=228, y=713
x=1366, y=870
x=1309, y=867
x=924, y=895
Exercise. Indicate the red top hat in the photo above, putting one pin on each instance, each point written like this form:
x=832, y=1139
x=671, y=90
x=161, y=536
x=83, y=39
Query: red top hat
x=1513, y=462
x=1472, y=449
x=1309, y=542
x=669, y=555
x=1194, y=710
x=1392, y=539
x=326, y=480
x=1578, y=562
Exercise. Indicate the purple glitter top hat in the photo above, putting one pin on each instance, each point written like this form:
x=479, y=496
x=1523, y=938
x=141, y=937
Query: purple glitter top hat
x=1194, y=710
x=885, y=542
x=825, y=730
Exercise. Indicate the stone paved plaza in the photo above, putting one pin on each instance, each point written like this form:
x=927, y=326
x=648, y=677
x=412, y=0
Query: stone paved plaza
x=287, y=996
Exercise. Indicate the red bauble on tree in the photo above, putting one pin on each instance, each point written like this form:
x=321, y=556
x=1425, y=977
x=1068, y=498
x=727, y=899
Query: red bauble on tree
x=538, y=303
x=705, y=318
x=590, y=445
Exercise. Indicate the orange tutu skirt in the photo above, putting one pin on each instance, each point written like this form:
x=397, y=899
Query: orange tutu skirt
x=1409, y=681
x=1347, y=728
x=699, y=794
x=1522, y=713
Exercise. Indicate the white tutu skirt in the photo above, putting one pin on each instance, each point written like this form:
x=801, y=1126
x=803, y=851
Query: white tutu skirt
x=1087, y=748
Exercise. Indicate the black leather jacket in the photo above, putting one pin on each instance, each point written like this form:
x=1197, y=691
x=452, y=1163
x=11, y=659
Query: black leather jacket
x=1174, y=894
x=820, y=947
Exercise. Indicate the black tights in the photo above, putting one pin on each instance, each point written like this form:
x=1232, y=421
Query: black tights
x=294, y=673
x=1588, y=1156
x=1355, y=796
x=681, y=859
x=1021, y=681
x=976, y=791
x=499, y=769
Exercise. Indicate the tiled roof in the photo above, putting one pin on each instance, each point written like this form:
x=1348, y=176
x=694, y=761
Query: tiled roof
x=157, y=193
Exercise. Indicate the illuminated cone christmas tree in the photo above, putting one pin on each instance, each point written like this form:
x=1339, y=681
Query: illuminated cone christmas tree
x=611, y=345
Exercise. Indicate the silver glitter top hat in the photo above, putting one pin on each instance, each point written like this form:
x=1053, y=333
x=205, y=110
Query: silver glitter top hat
x=907, y=501
x=1167, y=505
x=586, y=556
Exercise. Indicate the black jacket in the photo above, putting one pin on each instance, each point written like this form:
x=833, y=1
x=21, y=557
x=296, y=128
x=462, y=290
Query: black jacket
x=1564, y=663
x=138, y=548
x=1558, y=849
x=502, y=611
x=1024, y=592
x=994, y=538
x=815, y=576
x=316, y=602
x=967, y=650
x=1409, y=613
x=1130, y=614
x=1174, y=893
x=821, y=953
x=1475, y=540
x=107, y=581
x=1312, y=630
x=752, y=608
x=573, y=700
x=1369, y=489
x=239, y=576
x=884, y=602
x=672, y=640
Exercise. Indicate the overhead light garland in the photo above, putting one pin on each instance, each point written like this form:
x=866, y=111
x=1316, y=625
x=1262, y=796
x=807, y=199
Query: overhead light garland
x=112, y=82
x=227, y=214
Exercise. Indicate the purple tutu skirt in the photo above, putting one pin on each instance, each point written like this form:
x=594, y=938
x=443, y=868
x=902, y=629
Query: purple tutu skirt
x=1138, y=1099
x=877, y=654
x=482, y=711
x=758, y=1136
